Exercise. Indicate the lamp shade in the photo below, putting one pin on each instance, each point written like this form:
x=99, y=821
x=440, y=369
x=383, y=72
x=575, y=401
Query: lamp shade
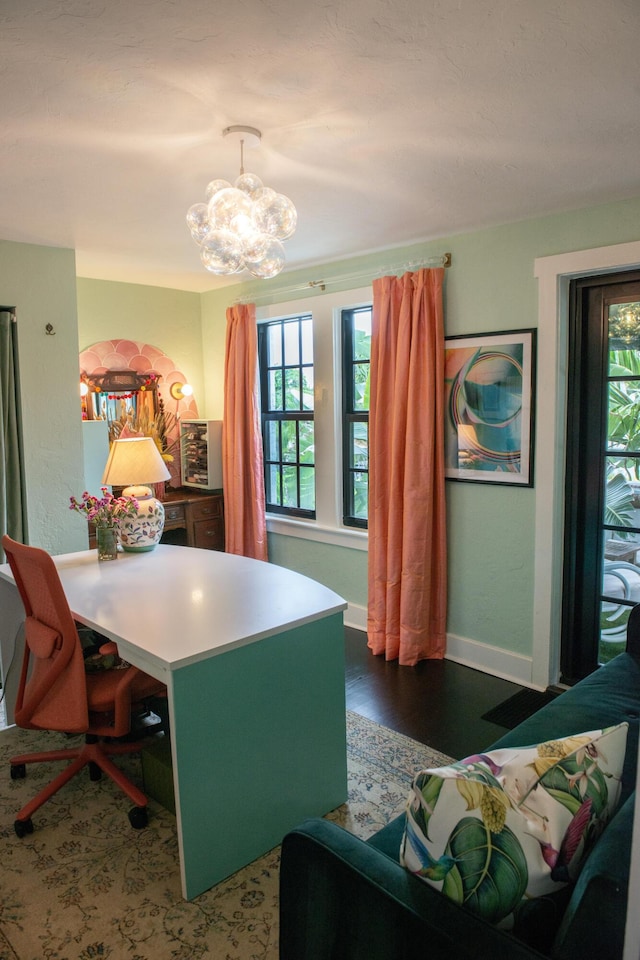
x=134, y=461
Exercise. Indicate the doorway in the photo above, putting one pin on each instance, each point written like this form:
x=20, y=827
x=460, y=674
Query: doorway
x=602, y=494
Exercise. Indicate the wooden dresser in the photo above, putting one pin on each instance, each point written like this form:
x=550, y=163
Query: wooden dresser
x=199, y=515
x=191, y=519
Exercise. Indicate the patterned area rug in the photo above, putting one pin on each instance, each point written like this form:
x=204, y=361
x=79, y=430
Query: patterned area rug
x=84, y=885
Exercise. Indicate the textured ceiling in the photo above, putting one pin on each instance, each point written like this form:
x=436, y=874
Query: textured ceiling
x=387, y=122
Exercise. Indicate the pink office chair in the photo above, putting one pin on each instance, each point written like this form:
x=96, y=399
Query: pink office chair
x=56, y=693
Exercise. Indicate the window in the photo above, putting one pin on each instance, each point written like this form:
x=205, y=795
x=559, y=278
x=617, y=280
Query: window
x=300, y=342
x=285, y=350
x=356, y=364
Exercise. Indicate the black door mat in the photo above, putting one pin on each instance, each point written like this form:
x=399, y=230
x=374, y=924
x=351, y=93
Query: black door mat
x=517, y=708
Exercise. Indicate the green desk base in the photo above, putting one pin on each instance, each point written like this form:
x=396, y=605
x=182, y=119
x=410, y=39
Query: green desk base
x=259, y=743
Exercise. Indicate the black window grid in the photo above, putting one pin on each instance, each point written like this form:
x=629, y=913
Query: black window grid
x=271, y=416
x=351, y=416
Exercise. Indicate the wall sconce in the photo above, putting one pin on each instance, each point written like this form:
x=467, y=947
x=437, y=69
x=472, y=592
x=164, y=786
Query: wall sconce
x=84, y=389
x=180, y=391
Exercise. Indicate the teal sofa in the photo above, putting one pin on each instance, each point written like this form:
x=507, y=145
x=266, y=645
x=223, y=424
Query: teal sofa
x=342, y=898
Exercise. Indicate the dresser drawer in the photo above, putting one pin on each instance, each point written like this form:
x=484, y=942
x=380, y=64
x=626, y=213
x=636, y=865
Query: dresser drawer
x=174, y=515
x=206, y=509
x=209, y=534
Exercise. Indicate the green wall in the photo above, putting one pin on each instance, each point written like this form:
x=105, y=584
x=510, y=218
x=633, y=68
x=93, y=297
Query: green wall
x=490, y=287
x=40, y=283
x=167, y=319
x=339, y=568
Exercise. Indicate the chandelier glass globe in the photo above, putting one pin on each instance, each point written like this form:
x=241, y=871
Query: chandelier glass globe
x=214, y=186
x=222, y=252
x=242, y=226
x=265, y=258
x=198, y=221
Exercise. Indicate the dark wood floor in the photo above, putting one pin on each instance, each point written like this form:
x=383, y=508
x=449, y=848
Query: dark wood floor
x=437, y=702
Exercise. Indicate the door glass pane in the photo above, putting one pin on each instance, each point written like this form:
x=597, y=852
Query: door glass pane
x=613, y=629
x=621, y=551
x=621, y=533
x=602, y=517
x=624, y=328
x=621, y=493
x=623, y=428
x=620, y=589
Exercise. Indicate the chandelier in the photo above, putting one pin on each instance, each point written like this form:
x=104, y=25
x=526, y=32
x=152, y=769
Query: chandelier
x=242, y=226
x=624, y=326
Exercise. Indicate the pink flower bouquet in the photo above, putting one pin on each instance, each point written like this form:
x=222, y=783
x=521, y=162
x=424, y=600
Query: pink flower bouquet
x=105, y=511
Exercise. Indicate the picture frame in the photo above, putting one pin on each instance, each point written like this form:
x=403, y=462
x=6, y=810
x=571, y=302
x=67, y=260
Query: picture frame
x=489, y=407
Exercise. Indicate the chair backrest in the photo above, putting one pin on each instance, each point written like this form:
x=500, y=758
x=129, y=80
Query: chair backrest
x=52, y=693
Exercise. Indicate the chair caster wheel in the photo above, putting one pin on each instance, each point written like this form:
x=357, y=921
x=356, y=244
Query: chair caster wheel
x=95, y=773
x=22, y=827
x=18, y=771
x=138, y=817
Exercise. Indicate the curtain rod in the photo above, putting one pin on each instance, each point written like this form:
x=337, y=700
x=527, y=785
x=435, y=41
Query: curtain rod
x=444, y=260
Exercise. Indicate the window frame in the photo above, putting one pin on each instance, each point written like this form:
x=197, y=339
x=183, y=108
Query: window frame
x=325, y=309
x=351, y=415
x=268, y=416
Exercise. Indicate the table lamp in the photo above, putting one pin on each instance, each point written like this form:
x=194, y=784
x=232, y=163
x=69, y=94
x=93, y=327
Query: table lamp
x=133, y=463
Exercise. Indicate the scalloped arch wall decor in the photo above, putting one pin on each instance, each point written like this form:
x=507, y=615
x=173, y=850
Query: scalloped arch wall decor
x=143, y=358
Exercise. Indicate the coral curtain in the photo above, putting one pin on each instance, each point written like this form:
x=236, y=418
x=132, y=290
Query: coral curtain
x=242, y=461
x=407, y=545
x=12, y=505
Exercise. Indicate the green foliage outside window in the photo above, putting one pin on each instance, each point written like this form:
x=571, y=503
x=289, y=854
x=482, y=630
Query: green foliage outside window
x=623, y=436
x=622, y=496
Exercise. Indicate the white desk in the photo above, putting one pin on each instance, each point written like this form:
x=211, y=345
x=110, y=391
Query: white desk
x=253, y=658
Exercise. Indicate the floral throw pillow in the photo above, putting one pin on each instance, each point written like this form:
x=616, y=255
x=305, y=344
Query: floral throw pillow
x=500, y=828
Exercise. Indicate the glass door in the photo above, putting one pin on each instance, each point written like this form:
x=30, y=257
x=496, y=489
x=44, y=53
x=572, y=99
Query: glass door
x=621, y=478
x=602, y=494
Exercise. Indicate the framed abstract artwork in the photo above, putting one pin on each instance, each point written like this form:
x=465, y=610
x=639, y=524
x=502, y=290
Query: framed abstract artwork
x=489, y=391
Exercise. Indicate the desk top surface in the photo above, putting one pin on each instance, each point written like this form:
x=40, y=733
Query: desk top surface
x=178, y=605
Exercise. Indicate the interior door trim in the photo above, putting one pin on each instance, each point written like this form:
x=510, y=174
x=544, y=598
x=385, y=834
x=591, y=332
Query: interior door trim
x=554, y=274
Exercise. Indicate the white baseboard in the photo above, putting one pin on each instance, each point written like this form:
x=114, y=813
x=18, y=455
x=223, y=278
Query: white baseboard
x=356, y=616
x=493, y=660
x=469, y=653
